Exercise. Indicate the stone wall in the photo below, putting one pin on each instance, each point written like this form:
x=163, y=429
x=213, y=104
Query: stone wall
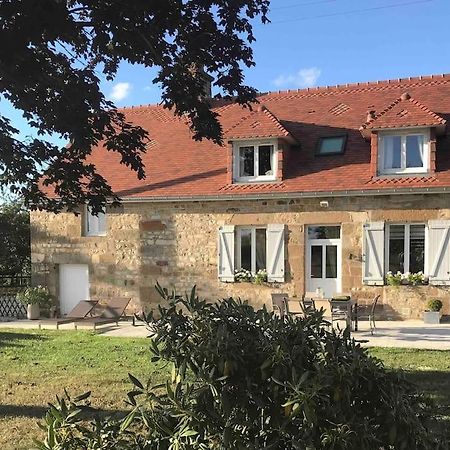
x=176, y=244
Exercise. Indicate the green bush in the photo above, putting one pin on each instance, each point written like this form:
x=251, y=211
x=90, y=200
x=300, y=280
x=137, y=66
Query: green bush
x=246, y=379
x=37, y=295
x=434, y=305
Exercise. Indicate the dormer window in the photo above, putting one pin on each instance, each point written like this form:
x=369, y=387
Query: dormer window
x=255, y=161
x=403, y=151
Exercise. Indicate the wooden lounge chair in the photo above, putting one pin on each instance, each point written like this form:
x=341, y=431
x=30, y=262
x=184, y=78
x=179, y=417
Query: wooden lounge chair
x=112, y=312
x=79, y=312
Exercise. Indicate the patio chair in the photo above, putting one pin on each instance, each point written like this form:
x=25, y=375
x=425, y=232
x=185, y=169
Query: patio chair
x=308, y=300
x=340, y=309
x=112, y=312
x=368, y=312
x=79, y=312
x=295, y=307
x=279, y=303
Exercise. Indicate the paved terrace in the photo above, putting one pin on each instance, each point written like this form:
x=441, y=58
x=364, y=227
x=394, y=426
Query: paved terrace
x=405, y=334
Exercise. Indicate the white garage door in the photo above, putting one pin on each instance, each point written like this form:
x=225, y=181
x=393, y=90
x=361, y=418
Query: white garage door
x=73, y=285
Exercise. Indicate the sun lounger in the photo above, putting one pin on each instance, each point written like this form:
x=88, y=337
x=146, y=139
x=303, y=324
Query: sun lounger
x=113, y=311
x=80, y=311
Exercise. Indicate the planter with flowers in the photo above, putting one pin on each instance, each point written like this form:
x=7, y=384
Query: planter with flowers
x=407, y=279
x=244, y=275
x=34, y=298
x=432, y=313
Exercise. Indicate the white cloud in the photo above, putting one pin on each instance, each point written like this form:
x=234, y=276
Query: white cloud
x=120, y=91
x=302, y=79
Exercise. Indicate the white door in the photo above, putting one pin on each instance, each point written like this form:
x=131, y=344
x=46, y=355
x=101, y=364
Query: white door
x=73, y=285
x=323, y=259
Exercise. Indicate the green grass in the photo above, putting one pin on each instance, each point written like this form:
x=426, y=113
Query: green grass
x=429, y=370
x=38, y=365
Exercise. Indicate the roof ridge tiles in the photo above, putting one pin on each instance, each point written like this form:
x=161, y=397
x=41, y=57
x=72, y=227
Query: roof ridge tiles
x=358, y=86
x=319, y=89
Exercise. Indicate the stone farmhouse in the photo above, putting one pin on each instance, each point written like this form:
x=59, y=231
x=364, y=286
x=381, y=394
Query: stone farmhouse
x=328, y=187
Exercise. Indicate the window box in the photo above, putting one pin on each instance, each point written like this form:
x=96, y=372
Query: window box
x=255, y=161
x=403, y=152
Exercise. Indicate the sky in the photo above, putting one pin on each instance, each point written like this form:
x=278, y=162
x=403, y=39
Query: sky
x=319, y=42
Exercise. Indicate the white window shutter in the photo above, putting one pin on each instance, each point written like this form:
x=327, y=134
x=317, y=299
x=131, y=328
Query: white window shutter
x=102, y=223
x=275, y=252
x=373, y=258
x=438, y=256
x=226, y=253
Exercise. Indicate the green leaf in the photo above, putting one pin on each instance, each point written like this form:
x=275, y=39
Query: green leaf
x=135, y=381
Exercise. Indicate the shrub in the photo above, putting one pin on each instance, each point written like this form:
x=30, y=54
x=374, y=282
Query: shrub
x=35, y=295
x=434, y=305
x=246, y=379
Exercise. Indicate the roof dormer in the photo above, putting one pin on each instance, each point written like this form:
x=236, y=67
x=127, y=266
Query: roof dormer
x=403, y=137
x=259, y=142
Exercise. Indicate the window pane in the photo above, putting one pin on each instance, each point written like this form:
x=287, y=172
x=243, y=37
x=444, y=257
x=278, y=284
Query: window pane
x=396, y=248
x=416, y=248
x=246, y=249
x=392, y=152
x=265, y=160
x=331, y=261
x=414, y=151
x=260, y=249
x=325, y=232
x=246, y=162
x=331, y=145
x=316, y=261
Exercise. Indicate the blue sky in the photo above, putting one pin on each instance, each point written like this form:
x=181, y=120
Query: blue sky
x=321, y=42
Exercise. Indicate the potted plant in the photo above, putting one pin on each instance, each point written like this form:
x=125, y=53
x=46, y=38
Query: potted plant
x=34, y=298
x=394, y=279
x=432, y=314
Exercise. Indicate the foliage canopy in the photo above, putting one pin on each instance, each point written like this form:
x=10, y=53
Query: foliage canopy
x=56, y=52
x=14, y=239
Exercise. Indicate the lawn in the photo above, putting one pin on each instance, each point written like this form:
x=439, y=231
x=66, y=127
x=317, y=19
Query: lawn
x=37, y=365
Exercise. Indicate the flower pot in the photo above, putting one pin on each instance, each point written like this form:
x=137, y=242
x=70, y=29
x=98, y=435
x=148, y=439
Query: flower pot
x=33, y=312
x=431, y=317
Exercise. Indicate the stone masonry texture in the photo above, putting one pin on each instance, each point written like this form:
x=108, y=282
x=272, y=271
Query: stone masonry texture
x=175, y=243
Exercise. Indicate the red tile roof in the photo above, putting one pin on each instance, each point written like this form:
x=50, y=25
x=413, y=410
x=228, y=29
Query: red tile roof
x=260, y=123
x=404, y=112
x=177, y=166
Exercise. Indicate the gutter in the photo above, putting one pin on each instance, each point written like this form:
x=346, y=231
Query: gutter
x=287, y=195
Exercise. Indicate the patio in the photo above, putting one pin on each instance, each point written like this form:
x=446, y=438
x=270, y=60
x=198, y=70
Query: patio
x=401, y=334
x=406, y=334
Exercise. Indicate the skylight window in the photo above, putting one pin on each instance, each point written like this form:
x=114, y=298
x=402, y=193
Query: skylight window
x=331, y=145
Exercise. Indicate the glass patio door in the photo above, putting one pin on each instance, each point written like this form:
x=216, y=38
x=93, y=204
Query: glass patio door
x=323, y=259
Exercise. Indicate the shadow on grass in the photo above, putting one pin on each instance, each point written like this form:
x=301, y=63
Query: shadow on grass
x=38, y=412
x=435, y=386
x=11, y=339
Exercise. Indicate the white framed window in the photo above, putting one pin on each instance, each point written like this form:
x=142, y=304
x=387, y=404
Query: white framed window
x=405, y=248
x=251, y=248
x=255, y=160
x=404, y=151
x=95, y=225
